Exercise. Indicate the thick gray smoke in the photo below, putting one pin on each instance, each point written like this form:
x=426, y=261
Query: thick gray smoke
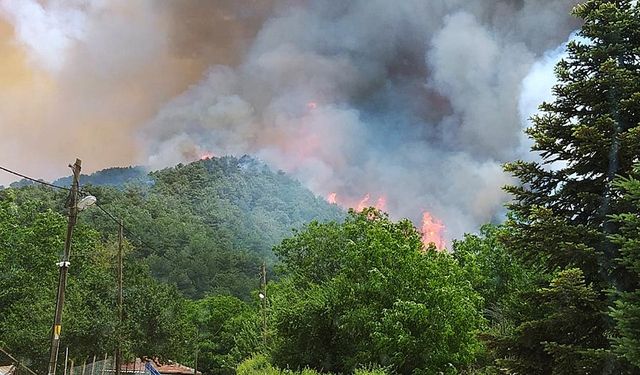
x=78, y=78
x=417, y=101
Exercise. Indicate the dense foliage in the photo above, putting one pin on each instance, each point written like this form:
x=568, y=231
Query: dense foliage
x=627, y=307
x=30, y=242
x=560, y=219
x=366, y=292
x=260, y=365
x=201, y=230
x=205, y=227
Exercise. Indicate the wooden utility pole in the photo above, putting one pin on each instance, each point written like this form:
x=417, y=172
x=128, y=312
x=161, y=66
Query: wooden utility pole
x=64, y=268
x=264, y=303
x=120, y=299
x=195, y=364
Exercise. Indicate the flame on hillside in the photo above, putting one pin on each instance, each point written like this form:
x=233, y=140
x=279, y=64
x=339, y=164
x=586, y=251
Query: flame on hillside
x=432, y=229
x=207, y=155
x=332, y=198
x=358, y=204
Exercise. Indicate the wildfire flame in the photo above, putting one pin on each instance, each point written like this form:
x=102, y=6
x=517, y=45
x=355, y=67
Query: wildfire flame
x=432, y=231
x=207, y=155
x=359, y=204
x=381, y=204
x=332, y=198
x=364, y=202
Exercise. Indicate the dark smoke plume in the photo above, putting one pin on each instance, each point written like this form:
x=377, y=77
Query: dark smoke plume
x=417, y=101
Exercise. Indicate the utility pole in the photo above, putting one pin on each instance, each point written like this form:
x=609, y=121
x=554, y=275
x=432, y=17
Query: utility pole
x=120, y=299
x=195, y=364
x=263, y=297
x=64, y=268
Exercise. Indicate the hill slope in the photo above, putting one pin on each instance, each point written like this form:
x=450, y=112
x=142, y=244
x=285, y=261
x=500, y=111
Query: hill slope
x=206, y=226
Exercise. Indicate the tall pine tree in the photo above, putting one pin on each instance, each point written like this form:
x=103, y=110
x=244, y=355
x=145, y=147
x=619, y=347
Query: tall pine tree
x=626, y=311
x=560, y=215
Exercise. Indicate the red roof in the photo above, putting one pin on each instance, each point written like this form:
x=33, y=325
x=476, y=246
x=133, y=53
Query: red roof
x=173, y=368
x=169, y=368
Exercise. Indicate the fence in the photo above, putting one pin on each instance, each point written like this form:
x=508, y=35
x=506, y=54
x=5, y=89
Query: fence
x=104, y=366
x=11, y=366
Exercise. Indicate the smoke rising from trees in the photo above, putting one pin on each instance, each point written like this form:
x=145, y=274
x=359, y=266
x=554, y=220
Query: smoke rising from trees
x=415, y=100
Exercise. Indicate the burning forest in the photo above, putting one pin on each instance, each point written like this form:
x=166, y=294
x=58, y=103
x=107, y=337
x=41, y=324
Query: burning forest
x=367, y=187
x=423, y=110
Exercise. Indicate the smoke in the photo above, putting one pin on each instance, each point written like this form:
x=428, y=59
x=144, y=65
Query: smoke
x=78, y=78
x=414, y=100
x=418, y=101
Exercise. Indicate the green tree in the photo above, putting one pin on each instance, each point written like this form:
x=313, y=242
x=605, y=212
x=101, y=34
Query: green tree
x=219, y=321
x=30, y=244
x=365, y=292
x=496, y=274
x=31, y=240
x=626, y=311
x=501, y=280
x=559, y=216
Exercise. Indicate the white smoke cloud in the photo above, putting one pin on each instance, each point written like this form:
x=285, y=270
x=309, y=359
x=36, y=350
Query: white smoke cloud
x=49, y=30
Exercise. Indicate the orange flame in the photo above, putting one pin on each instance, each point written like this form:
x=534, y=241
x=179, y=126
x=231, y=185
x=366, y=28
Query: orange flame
x=364, y=202
x=359, y=205
x=432, y=231
x=207, y=155
x=332, y=198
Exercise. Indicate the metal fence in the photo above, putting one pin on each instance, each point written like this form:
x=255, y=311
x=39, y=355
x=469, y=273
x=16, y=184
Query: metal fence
x=9, y=365
x=104, y=366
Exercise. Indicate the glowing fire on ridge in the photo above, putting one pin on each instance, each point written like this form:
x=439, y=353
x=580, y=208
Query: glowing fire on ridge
x=332, y=198
x=432, y=231
x=207, y=155
x=381, y=203
x=364, y=202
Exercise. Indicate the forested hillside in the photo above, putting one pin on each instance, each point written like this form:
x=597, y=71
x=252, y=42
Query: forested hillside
x=205, y=227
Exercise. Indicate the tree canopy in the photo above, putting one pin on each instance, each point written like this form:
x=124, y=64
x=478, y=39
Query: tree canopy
x=366, y=292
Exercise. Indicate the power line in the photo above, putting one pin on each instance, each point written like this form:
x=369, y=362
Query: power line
x=85, y=192
x=34, y=180
x=124, y=228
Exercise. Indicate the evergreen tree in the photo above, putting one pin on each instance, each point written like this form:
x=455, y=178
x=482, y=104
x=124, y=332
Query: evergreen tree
x=627, y=308
x=560, y=214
